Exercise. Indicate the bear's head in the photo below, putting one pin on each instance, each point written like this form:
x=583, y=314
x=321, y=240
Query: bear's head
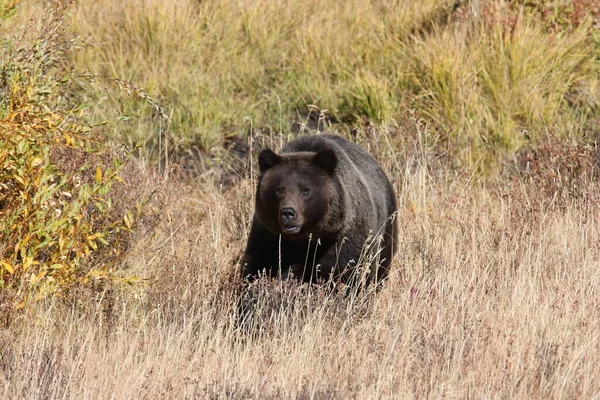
x=298, y=193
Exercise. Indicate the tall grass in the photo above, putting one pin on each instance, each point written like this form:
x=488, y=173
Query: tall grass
x=482, y=78
x=494, y=293
x=494, y=289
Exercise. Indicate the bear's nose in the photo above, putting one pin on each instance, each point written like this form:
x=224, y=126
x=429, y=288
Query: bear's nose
x=288, y=215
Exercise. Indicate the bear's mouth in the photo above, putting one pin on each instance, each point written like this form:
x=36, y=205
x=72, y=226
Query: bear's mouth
x=291, y=229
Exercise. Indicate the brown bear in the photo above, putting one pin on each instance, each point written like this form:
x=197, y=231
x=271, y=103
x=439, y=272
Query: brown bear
x=323, y=207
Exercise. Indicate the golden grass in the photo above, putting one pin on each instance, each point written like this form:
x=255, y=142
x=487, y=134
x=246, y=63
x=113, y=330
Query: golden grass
x=494, y=290
x=494, y=293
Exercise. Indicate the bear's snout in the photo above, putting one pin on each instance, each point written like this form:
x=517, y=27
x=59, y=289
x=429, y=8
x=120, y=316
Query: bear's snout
x=288, y=215
x=289, y=222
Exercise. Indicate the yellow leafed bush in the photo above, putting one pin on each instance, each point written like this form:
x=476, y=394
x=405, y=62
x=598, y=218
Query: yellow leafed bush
x=56, y=216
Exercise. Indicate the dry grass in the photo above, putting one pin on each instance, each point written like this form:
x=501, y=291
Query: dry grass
x=494, y=294
x=495, y=287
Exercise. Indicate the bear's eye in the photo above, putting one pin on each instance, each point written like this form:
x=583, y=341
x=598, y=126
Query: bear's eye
x=305, y=191
x=279, y=191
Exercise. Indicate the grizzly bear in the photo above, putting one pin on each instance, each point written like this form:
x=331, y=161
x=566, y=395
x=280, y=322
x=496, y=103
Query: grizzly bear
x=323, y=207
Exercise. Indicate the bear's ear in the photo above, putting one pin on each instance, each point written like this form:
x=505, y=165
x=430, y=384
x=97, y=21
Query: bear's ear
x=326, y=159
x=267, y=159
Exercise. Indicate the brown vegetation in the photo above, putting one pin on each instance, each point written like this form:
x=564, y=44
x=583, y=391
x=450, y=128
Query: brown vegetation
x=494, y=291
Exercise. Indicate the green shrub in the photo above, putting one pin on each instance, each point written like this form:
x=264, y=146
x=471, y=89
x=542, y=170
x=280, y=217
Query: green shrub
x=57, y=224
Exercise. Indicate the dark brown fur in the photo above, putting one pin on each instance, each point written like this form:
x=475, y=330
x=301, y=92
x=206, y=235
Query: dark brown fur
x=317, y=204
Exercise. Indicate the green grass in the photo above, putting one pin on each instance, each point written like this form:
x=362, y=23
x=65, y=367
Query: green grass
x=481, y=80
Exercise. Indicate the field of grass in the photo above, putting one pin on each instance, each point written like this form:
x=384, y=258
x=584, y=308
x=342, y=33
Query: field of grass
x=494, y=293
x=489, y=75
x=484, y=114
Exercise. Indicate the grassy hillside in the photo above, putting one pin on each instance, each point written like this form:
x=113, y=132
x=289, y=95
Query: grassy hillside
x=118, y=270
x=489, y=75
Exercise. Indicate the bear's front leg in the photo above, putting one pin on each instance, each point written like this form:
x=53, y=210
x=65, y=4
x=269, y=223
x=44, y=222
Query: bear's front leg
x=261, y=253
